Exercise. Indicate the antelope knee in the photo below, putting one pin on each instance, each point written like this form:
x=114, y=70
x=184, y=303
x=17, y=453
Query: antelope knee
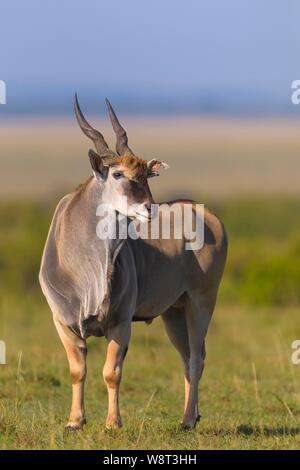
x=78, y=375
x=112, y=376
x=78, y=368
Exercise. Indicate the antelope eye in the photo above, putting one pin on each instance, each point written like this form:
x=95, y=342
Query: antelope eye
x=117, y=175
x=152, y=173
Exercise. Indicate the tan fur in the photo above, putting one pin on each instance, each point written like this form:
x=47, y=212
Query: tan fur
x=133, y=167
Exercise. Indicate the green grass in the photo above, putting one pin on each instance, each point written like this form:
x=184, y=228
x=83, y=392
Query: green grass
x=263, y=266
x=250, y=391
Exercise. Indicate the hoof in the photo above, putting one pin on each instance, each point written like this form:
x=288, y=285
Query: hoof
x=72, y=427
x=190, y=423
x=112, y=425
x=187, y=426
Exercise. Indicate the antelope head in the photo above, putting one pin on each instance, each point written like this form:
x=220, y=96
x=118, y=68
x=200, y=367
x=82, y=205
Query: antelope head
x=122, y=175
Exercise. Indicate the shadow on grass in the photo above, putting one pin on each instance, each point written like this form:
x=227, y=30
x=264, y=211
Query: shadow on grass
x=255, y=430
x=249, y=430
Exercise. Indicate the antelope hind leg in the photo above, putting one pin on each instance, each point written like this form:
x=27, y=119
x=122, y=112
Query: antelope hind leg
x=198, y=316
x=176, y=327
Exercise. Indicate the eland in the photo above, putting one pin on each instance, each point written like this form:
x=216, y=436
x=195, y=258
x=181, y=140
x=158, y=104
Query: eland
x=98, y=286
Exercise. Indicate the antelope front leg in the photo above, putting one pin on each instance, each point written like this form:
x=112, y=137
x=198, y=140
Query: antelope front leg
x=76, y=351
x=118, y=339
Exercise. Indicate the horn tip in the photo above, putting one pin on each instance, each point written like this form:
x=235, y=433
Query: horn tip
x=76, y=103
x=107, y=103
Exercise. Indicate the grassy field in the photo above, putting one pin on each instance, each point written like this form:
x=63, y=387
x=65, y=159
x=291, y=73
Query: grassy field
x=250, y=392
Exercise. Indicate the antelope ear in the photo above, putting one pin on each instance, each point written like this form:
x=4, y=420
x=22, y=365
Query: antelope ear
x=154, y=165
x=99, y=169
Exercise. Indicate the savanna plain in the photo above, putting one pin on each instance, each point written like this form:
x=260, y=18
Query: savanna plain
x=246, y=172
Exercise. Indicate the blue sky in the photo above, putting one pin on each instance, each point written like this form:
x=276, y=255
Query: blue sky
x=220, y=51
